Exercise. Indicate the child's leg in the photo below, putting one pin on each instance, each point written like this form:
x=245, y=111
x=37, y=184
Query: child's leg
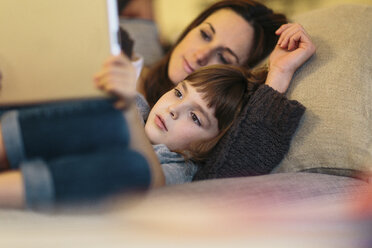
x=11, y=190
x=4, y=163
x=55, y=130
x=84, y=178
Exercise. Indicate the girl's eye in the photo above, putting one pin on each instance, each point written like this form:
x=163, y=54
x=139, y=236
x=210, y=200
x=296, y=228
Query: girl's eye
x=195, y=119
x=205, y=36
x=177, y=93
x=222, y=58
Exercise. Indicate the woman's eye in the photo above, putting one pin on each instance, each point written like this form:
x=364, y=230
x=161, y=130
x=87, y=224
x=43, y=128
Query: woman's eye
x=195, y=119
x=205, y=36
x=177, y=93
x=223, y=59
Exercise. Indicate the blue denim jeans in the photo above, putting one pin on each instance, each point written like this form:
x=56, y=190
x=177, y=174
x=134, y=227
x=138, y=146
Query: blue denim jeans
x=72, y=151
x=54, y=130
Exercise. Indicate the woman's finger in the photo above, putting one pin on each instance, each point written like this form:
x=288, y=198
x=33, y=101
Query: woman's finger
x=120, y=104
x=120, y=59
x=284, y=31
x=113, y=71
x=286, y=35
x=294, y=40
x=282, y=28
x=100, y=83
x=118, y=87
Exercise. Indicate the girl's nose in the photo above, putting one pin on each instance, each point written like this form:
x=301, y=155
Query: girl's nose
x=178, y=109
x=173, y=111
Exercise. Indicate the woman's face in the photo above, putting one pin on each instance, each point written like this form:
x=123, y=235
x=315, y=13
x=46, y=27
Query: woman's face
x=223, y=38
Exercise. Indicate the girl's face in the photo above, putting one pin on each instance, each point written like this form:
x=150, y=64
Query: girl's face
x=223, y=38
x=180, y=118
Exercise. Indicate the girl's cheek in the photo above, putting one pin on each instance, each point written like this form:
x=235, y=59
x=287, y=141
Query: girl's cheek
x=190, y=134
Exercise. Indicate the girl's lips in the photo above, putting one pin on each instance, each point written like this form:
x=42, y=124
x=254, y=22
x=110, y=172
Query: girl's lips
x=160, y=123
x=187, y=67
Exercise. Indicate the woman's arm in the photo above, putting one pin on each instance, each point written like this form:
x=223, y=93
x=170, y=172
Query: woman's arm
x=293, y=49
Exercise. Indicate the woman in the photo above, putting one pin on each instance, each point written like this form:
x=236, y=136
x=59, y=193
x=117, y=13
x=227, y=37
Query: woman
x=238, y=32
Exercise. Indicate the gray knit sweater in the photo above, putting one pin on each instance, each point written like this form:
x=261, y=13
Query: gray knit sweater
x=258, y=140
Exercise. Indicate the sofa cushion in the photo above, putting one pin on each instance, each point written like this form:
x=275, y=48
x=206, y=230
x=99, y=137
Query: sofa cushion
x=336, y=87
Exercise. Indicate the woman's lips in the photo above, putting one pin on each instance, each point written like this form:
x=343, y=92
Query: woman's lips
x=187, y=67
x=160, y=123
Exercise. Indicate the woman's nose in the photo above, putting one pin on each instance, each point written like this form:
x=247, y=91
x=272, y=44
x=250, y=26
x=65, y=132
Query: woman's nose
x=202, y=55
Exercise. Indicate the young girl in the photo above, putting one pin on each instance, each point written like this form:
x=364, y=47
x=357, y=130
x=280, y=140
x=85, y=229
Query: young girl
x=88, y=151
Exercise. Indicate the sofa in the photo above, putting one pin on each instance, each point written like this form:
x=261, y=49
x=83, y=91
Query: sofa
x=318, y=196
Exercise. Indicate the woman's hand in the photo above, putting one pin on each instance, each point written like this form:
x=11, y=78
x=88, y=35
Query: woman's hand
x=118, y=77
x=294, y=48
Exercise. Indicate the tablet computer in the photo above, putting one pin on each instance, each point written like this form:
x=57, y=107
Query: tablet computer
x=50, y=49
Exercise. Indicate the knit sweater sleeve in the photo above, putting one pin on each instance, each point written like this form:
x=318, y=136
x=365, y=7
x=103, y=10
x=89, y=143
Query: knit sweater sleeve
x=259, y=138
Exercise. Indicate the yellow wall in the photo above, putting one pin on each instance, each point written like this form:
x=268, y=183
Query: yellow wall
x=173, y=15
x=301, y=6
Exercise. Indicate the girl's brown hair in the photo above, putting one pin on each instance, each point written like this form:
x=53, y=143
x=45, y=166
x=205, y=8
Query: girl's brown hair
x=263, y=20
x=225, y=88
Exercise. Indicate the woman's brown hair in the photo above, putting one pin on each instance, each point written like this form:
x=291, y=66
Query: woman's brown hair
x=263, y=20
x=225, y=88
